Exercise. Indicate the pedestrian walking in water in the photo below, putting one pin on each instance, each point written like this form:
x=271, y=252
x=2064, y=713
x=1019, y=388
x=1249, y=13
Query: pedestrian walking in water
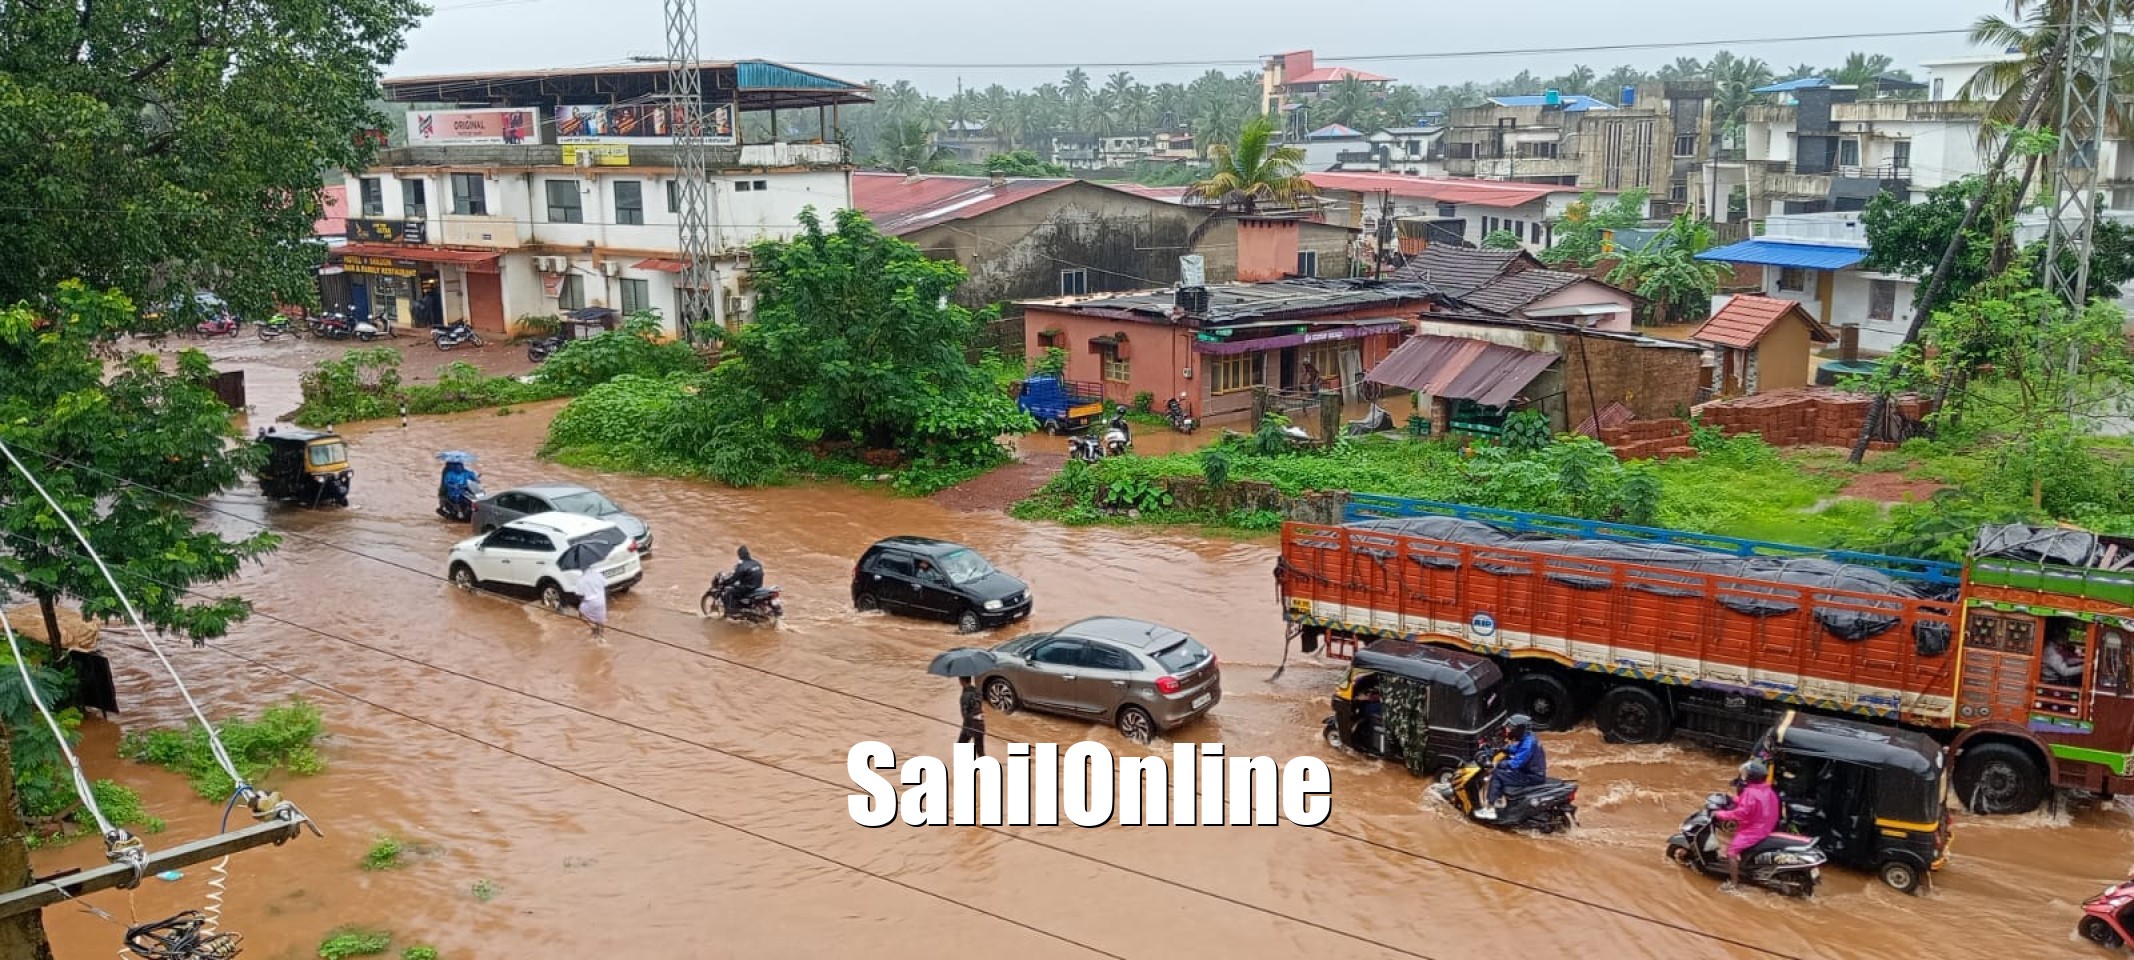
x=593, y=599
x=973, y=717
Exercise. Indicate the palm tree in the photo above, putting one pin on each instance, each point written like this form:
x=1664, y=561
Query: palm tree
x=1351, y=103
x=1403, y=106
x=2036, y=32
x=1802, y=71
x=1861, y=69
x=1620, y=77
x=1255, y=169
x=1684, y=68
x=1579, y=80
x=1076, y=91
x=997, y=105
x=1734, y=81
x=1170, y=104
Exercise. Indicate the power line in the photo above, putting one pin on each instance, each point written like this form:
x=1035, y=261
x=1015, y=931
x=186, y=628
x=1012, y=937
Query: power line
x=927, y=717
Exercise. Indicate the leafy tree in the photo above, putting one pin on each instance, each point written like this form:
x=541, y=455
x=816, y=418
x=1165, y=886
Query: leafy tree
x=1579, y=231
x=1256, y=168
x=1501, y=240
x=1908, y=239
x=157, y=147
x=855, y=341
x=1666, y=271
x=1022, y=163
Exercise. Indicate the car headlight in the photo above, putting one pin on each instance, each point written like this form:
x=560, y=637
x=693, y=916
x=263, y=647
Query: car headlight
x=992, y=604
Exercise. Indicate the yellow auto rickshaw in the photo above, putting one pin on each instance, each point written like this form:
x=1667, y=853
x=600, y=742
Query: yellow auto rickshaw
x=305, y=466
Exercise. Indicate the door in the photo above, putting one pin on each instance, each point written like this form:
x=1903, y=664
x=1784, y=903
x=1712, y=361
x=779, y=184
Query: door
x=485, y=302
x=1289, y=369
x=933, y=593
x=358, y=298
x=2000, y=658
x=1107, y=679
x=890, y=578
x=1055, y=667
x=506, y=507
x=492, y=559
x=530, y=560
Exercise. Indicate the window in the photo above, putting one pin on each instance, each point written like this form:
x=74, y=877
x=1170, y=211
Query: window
x=674, y=196
x=373, y=195
x=892, y=564
x=1074, y=283
x=636, y=295
x=629, y=201
x=1234, y=373
x=1793, y=279
x=1937, y=88
x=748, y=186
x=1116, y=370
x=1881, y=299
x=563, y=204
x=1489, y=226
x=1307, y=263
x=1183, y=657
x=1686, y=145
x=572, y=294
x=1900, y=154
x=1059, y=653
x=1098, y=656
x=1415, y=149
x=1448, y=210
x=414, y=195
x=469, y=195
x=1678, y=191
x=1848, y=153
x=1536, y=232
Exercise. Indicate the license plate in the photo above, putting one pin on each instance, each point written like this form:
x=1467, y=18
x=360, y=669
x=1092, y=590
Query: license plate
x=1202, y=700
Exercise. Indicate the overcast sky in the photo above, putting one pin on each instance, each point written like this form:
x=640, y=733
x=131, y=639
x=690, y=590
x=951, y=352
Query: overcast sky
x=858, y=41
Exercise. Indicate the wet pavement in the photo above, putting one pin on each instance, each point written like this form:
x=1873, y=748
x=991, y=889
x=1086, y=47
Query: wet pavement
x=684, y=796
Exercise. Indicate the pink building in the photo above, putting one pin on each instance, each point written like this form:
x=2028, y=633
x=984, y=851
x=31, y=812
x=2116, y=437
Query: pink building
x=1293, y=336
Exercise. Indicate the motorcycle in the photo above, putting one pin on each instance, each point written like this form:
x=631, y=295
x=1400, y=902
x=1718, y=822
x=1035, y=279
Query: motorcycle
x=760, y=606
x=333, y=326
x=222, y=326
x=2106, y=916
x=1085, y=449
x=1179, y=421
x=447, y=337
x=278, y=326
x=543, y=348
x=1116, y=439
x=1550, y=807
x=459, y=509
x=1789, y=864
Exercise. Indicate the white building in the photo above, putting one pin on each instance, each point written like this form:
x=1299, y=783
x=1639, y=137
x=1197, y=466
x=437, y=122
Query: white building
x=544, y=192
x=1453, y=210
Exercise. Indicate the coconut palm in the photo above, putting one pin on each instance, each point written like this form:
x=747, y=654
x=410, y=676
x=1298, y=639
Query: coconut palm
x=1620, y=77
x=1579, y=80
x=1861, y=69
x=2035, y=32
x=1256, y=168
x=1684, y=68
x=1351, y=103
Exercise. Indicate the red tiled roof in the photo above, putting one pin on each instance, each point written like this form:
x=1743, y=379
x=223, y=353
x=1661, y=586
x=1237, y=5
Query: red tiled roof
x=333, y=203
x=1747, y=319
x=1482, y=193
x=899, y=204
x=1334, y=75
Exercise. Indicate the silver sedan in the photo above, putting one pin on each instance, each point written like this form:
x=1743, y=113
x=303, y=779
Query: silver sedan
x=498, y=509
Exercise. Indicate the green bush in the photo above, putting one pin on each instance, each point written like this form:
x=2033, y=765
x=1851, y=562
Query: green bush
x=282, y=738
x=384, y=853
x=632, y=349
x=361, y=384
x=419, y=952
x=354, y=942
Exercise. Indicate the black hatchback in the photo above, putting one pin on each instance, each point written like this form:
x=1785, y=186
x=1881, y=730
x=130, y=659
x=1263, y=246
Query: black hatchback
x=935, y=579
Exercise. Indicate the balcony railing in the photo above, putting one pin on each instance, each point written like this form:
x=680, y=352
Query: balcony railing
x=1508, y=169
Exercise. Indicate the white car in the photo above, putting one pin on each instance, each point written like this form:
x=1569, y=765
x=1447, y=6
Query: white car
x=535, y=553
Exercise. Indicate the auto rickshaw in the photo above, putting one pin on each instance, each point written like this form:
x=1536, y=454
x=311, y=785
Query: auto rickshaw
x=1875, y=796
x=305, y=466
x=1427, y=707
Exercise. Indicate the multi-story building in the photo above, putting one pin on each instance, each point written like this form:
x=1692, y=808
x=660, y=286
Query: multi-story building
x=1417, y=151
x=1290, y=80
x=1658, y=139
x=539, y=192
x=1458, y=211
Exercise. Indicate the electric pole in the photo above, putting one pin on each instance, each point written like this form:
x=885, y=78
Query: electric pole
x=697, y=283
x=1385, y=232
x=2085, y=104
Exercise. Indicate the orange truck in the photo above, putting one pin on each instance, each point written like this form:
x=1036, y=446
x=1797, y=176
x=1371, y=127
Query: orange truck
x=1658, y=633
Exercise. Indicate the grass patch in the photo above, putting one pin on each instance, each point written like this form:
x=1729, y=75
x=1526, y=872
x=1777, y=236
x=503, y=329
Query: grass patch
x=483, y=890
x=121, y=805
x=384, y=854
x=284, y=738
x=419, y=952
x=354, y=942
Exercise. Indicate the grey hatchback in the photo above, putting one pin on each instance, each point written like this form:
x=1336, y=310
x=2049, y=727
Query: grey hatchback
x=499, y=509
x=1144, y=678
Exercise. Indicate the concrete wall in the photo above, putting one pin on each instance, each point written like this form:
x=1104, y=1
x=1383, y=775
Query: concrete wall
x=1782, y=357
x=1121, y=241
x=1589, y=292
x=1841, y=298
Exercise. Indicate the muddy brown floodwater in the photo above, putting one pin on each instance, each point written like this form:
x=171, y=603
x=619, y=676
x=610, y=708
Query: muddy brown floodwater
x=568, y=867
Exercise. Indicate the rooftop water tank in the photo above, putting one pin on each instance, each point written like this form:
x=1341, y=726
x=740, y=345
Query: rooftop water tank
x=1630, y=96
x=1552, y=97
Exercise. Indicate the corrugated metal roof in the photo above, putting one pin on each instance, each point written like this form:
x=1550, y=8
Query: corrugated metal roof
x=899, y=205
x=1335, y=75
x=1332, y=131
x=1230, y=303
x=1165, y=194
x=1506, y=294
x=1459, y=270
x=764, y=75
x=1481, y=193
x=1777, y=253
x=1788, y=86
x=1573, y=103
x=1747, y=319
x=1490, y=374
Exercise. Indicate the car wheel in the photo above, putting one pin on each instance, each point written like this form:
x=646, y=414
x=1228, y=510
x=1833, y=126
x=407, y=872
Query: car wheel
x=866, y=603
x=551, y=595
x=1901, y=876
x=1136, y=724
x=968, y=622
x=1001, y=695
x=463, y=577
x=2096, y=931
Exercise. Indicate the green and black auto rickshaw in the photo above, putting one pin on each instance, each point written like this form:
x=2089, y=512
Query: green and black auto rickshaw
x=1428, y=707
x=305, y=466
x=1876, y=796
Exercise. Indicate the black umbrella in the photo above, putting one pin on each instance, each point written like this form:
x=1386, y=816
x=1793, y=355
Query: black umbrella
x=581, y=556
x=963, y=662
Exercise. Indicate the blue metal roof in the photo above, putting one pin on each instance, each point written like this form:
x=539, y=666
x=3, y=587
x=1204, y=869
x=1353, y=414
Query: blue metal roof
x=762, y=75
x=1572, y=103
x=1788, y=86
x=1332, y=131
x=1776, y=253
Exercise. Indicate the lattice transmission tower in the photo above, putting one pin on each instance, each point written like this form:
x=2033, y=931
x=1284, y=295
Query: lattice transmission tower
x=2086, y=43
x=697, y=283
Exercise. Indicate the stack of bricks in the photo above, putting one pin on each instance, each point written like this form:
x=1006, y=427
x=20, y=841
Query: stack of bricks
x=1783, y=418
x=1649, y=439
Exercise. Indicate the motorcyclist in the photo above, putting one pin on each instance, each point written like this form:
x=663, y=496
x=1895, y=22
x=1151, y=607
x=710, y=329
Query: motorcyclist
x=1526, y=766
x=452, y=488
x=1754, y=815
x=747, y=578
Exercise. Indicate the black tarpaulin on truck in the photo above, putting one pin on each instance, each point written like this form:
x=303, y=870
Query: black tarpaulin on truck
x=2018, y=541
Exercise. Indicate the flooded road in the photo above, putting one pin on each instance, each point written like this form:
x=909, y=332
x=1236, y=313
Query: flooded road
x=684, y=796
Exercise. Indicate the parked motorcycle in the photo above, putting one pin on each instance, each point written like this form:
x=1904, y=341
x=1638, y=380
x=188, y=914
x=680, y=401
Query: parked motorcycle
x=459, y=509
x=447, y=337
x=1550, y=807
x=1085, y=448
x=379, y=325
x=543, y=348
x=333, y=326
x=760, y=606
x=1180, y=422
x=277, y=327
x=222, y=326
x=2108, y=918
x=1782, y=862
x=1117, y=439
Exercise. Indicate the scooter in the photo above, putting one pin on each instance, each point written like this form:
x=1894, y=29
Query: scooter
x=760, y=606
x=379, y=325
x=1177, y=412
x=445, y=338
x=1549, y=808
x=222, y=326
x=459, y=509
x=1116, y=439
x=2105, y=916
x=1084, y=448
x=1783, y=862
x=543, y=348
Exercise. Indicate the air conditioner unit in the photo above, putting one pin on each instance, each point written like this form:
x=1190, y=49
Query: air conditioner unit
x=733, y=305
x=551, y=264
x=611, y=268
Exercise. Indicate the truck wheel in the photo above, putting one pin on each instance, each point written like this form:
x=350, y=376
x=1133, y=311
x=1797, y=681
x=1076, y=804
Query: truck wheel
x=1546, y=699
x=1999, y=778
x=1633, y=715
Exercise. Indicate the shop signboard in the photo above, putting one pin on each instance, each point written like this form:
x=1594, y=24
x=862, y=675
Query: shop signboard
x=379, y=266
x=473, y=126
x=597, y=154
x=640, y=122
x=388, y=231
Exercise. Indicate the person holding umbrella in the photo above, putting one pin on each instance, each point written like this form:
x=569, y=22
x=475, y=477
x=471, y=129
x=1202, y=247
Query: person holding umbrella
x=964, y=663
x=593, y=599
